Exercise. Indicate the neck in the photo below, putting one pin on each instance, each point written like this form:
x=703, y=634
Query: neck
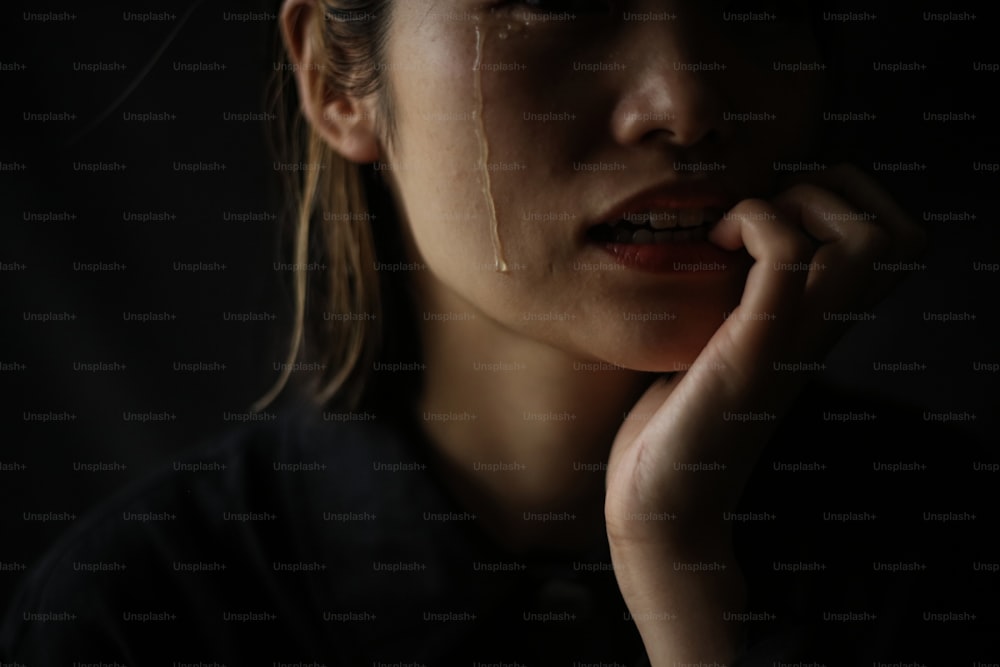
x=522, y=430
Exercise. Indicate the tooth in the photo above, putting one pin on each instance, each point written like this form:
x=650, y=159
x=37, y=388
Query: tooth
x=623, y=235
x=683, y=235
x=691, y=217
x=663, y=220
x=642, y=236
x=663, y=237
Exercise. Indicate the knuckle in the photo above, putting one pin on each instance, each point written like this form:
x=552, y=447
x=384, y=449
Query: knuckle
x=755, y=213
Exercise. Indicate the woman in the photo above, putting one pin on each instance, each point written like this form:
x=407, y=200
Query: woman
x=584, y=255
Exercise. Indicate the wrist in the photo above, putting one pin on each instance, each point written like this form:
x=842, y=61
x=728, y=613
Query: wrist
x=682, y=597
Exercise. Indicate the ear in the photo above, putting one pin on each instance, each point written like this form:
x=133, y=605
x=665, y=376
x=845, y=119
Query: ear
x=346, y=123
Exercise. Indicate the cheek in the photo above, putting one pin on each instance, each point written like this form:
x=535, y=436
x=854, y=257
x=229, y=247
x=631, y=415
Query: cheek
x=466, y=161
x=435, y=158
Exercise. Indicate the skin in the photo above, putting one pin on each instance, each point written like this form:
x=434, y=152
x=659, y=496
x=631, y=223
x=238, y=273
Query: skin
x=547, y=319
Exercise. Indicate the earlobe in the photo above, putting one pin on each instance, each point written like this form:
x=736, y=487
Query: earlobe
x=346, y=123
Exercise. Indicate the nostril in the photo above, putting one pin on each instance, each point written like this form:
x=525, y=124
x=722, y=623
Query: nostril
x=684, y=135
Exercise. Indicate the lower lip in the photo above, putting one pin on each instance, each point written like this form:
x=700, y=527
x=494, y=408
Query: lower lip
x=694, y=257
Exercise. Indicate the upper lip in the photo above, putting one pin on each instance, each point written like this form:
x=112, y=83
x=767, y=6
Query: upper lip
x=667, y=196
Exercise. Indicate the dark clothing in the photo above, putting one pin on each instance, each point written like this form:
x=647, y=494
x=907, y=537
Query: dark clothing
x=314, y=541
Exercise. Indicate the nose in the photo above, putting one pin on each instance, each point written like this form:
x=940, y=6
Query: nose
x=674, y=88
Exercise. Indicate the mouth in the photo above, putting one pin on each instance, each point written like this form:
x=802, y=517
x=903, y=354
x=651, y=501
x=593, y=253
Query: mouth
x=665, y=230
x=654, y=227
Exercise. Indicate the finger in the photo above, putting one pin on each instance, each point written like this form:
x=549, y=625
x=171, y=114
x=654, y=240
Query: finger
x=734, y=371
x=773, y=242
x=865, y=194
x=849, y=275
x=850, y=241
x=842, y=276
x=774, y=287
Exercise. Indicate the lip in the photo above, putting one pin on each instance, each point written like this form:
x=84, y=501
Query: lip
x=673, y=195
x=683, y=258
x=687, y=257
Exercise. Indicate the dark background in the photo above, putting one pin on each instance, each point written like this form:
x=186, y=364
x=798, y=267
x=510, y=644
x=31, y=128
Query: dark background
x=40, y=372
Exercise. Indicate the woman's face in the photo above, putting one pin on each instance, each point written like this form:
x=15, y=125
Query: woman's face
x=585, y=106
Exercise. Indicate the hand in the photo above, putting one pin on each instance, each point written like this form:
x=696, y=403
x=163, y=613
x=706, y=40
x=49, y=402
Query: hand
x=816, y=246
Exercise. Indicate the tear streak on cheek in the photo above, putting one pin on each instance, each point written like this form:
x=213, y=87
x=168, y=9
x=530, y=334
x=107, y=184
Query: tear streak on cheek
x=500, y=263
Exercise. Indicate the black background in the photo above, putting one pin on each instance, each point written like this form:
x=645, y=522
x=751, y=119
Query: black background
x=38, y=258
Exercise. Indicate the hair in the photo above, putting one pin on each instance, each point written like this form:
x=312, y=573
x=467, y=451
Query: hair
x=342, y=213
x=350, y=316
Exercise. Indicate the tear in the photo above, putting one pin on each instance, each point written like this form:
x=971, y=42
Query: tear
x=500, y=263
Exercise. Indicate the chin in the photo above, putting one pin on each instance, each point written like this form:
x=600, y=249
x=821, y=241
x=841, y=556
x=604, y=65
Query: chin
x=667, y=347
x=660, y=362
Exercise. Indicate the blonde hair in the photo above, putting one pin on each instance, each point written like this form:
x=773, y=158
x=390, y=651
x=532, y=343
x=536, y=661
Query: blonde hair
x=337, y=316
